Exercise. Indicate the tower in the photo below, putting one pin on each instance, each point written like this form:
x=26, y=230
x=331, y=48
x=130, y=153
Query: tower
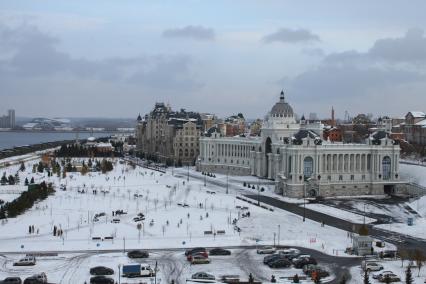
x=333, y=121
x=11, y=115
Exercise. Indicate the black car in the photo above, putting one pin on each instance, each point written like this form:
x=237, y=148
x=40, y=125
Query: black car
x=280, y=263
x=138, y=254
x=270, y=258
x=304, y=261
x=101, y=280
x=11, y=280
x=33, y=280
x=101, y=270
x=194, y=251
x=219, y=251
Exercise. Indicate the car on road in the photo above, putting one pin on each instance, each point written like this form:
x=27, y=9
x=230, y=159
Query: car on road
x=138, y=254
x=101, y=280
x=195, y=250
x=372, y=266
x=388, y=254
x=203, y=276
x=36, y=279
x=265, y=250
x=280, y=263
x=219, y=251
x=101, y=270
x=199, y=259
x=26, y=261
x=299, y=263
x=11, y=280
x=203, y=254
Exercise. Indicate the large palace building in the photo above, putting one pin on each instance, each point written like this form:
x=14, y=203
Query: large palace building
x=294, y=155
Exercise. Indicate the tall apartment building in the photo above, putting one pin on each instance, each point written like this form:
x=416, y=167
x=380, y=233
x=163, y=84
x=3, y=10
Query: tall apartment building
x=8, y=121
x=169, y=136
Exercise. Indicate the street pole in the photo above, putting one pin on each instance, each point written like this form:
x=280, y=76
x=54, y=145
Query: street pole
x=304, y=201
x=227, y=174
x=187, y=179
x=119, y=274
x=258, y=194
x=279, y=234
x=205, y=179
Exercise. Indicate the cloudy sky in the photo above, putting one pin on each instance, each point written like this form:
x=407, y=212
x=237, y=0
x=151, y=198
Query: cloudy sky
x=117, y=58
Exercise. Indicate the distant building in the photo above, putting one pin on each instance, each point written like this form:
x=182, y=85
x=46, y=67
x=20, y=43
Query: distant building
x=413, y=127
x=293, y=154
x=169, y=136
x=8, y=121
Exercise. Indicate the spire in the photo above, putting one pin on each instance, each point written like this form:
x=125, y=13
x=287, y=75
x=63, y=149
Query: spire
x=282, y=96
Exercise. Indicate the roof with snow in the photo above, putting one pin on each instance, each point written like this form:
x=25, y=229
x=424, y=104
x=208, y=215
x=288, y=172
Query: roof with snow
x=417, y=114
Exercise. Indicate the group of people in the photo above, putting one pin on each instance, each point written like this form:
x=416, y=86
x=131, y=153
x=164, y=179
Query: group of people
x=31, y=229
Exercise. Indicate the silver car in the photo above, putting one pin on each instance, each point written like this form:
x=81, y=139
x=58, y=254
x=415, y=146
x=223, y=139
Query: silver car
x=203, y=276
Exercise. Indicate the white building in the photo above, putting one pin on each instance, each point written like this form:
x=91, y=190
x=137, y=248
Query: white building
x=295, y=157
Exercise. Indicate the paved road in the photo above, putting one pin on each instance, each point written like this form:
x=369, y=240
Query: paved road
x=401, y=241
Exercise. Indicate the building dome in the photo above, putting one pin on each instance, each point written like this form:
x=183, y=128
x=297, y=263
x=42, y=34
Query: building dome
x=281, y=108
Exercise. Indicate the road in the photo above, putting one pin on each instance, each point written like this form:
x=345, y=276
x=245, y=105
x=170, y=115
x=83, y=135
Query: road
x=401, y=241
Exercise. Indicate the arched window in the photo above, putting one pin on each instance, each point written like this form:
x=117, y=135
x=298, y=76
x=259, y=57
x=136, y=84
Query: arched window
x=386, y=166
x=308, y=167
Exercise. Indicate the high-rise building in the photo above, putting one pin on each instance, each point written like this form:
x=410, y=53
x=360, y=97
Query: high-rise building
x=8, y=121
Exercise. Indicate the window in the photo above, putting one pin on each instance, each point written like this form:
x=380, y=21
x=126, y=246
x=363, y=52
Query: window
x=386, y=166
x=363, y=177
x=352, y=177
x=340, y=177
x=329, y=177
x=308, y=167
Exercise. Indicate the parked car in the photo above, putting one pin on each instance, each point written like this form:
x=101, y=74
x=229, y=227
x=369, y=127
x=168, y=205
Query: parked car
x=137, y=270
x=266, y=250
x=389, y=278
x=203, y=276
x=388, y=254
x=304, y=261
x=280, y=263
x=26, y=261
x=309, y=269
x=299, y=257
x=101, y=270
x=36, y=279
x=219, y=251
x=198, y=259
x=101, y=280
x=290, y=253
x=272, y=257
x=372, y=266
x=383, y=273
x=195, y=250
x=138, y=254
x=11, y=280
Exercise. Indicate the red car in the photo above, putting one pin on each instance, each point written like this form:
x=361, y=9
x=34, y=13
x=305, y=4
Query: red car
x=202, y=253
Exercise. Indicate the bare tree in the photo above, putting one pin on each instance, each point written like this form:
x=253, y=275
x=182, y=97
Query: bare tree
x=420, y=259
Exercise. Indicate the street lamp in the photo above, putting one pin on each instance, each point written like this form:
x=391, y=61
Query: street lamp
x=119, y=273
x=305, y=181
x=227, y=174
x=187, y=179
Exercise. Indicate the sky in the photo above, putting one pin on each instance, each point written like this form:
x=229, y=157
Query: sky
x=117, y=58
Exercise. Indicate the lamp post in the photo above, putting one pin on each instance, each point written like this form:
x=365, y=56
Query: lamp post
x=205, y=179
x=119, y=273
x=187, y=178
x=279, y=233
x=227, y=186
x=304, y=201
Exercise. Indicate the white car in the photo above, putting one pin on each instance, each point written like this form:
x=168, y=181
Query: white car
x=266, y=250
x=27, y=261
x=373, y=266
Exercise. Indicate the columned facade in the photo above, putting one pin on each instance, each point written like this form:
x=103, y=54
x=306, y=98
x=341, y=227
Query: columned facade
x=300, y=162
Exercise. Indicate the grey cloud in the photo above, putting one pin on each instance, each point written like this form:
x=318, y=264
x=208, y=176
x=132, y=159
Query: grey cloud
x=362, y=80
x=317, y=52
x=33, y=54
x=410, y=48
x=291, y=36
x=190, y=32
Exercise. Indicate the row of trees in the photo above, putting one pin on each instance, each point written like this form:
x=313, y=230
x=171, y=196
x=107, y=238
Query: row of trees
x=75, y=150
x=26, y=200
